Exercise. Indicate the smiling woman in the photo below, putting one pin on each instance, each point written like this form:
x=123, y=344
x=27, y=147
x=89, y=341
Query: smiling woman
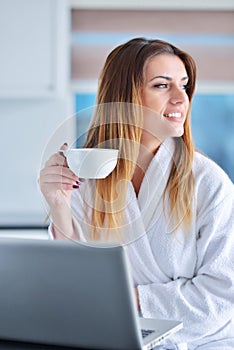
x=166, y=94
x=172, y=206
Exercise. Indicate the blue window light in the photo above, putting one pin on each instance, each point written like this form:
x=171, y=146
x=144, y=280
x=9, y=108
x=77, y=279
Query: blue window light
x=212, y=125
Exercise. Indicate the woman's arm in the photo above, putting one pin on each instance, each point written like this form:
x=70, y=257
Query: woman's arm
x=205, y=302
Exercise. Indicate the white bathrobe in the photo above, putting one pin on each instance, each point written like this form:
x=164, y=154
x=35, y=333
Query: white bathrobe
x=185, y=275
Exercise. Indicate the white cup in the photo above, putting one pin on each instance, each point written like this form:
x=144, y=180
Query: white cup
x=91, y=163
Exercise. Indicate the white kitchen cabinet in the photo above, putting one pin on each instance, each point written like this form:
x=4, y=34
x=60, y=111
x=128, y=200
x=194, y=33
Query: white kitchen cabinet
x=30, y=60
x=34, y=102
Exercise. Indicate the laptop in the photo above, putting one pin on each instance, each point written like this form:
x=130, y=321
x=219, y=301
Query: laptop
x=68, y=293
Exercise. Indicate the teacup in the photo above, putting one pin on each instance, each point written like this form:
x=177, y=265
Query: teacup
x=91, y=163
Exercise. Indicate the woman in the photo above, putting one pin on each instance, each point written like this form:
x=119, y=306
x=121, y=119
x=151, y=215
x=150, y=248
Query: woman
x=173, y=206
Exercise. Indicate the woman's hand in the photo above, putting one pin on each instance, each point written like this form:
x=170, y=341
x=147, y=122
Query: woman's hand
x=57, y=181
x=137, y=299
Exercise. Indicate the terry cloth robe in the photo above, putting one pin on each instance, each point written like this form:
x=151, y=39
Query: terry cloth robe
x=188, y=274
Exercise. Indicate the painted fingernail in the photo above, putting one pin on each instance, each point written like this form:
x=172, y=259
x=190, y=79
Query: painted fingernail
x=78, y=183
x=65, y=144
x=76, y=186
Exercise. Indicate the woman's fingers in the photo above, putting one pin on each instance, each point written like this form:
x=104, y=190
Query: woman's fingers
x=57, y=176
x=56, y=159
x=53, y=187
x=60, y=171
x=64, y=147
x=48, y=178
x=51, y=182
x=54, y=178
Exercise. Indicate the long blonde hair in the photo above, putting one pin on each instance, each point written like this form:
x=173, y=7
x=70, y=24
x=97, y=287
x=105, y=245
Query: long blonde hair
x=117, y=123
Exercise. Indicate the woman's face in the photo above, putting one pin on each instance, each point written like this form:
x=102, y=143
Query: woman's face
x=164, y=95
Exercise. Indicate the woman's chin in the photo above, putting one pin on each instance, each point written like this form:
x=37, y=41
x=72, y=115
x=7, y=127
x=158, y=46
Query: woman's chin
x=179, y=131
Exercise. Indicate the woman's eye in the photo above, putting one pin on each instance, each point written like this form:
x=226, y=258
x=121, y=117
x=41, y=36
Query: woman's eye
x=161, y=86
x=185, y=87
x=166, y=86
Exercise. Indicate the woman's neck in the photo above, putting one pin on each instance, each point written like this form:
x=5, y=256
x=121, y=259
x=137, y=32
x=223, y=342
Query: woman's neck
x=146, y=154
x=149, y=143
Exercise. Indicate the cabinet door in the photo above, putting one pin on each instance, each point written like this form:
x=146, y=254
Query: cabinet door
x=28, y=48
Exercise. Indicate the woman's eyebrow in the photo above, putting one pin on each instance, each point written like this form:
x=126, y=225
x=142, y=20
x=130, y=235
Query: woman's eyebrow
x=167, y=78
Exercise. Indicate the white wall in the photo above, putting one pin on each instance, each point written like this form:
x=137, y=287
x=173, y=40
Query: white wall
x=26, y=127
x=29, y=114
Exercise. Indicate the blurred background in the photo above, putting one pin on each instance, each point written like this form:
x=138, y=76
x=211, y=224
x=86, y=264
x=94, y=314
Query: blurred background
x=52, y=52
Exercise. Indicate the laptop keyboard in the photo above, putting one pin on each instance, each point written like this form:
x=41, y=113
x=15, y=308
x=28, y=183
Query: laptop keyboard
x=145, y=332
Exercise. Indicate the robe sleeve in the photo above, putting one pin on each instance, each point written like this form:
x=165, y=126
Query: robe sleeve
x=205, y=303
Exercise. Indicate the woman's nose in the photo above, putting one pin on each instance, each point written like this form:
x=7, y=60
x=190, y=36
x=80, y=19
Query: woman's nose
x=177, y=96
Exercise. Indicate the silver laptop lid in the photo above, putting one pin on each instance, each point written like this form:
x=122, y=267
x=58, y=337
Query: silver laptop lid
x=67, y=293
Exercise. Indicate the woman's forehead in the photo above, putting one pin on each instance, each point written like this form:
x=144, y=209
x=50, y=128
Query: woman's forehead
x=165, y=65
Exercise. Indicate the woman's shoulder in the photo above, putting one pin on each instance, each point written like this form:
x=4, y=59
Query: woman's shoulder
x=211, y=181
x=205, y=167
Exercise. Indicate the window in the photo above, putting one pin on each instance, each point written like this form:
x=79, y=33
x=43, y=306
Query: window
x=207, y=35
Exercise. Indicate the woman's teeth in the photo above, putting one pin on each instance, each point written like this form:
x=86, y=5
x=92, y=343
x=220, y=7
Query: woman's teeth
x=173, y=115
